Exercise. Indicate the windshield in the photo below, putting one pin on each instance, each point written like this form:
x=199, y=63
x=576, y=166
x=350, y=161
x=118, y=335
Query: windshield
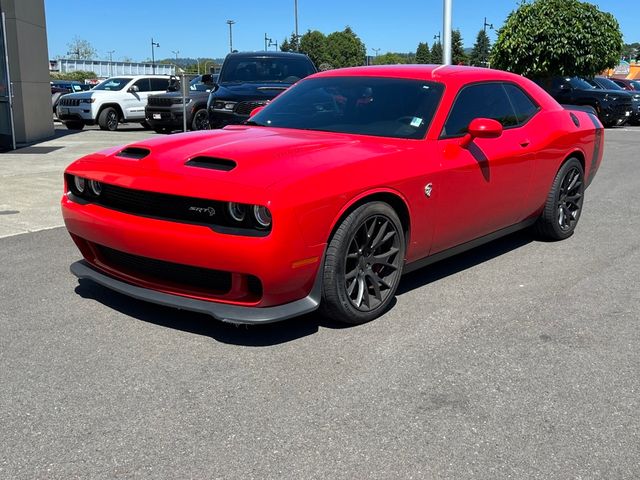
x=261, y=69
x=636, y=85
x=609, y=84
x=112, y=84
x=579, y=83
x=385, y=107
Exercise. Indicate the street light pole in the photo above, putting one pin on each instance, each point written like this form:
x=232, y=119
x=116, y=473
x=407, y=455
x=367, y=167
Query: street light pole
x=111, y=52
x=267, y=41
x=295, y=6
x=176, y=52
x=230, y=23
x=153, y=56
x=446, y=25
x=484, y=27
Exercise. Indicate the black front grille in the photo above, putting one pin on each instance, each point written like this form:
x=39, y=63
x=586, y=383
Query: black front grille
x=245, y=108
x=622, y=107
x=187, y=276
x=69, y=102
x=163, y=206
x=160, y=101
x=160, y=205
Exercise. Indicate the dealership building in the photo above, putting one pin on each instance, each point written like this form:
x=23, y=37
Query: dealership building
x=25, y=89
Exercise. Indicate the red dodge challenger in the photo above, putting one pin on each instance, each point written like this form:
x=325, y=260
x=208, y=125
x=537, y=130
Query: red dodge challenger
x=330, y=193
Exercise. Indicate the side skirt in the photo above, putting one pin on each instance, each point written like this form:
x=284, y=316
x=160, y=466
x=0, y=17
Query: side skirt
x=463, y=247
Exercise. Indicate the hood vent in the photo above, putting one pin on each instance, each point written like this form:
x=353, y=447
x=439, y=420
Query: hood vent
x=212, y=163
x=135, y=153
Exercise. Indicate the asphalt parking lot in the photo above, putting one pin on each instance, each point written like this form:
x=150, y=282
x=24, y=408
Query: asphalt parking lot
x=519, y=359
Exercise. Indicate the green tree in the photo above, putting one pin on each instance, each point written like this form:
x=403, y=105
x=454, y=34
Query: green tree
x=289, y=44
x=423, y=54
x=79, y=48
x=458, y=56
x=436, y=53
x=78, y=75
x=481, y=50
x=345, y=49
x=314, y=44
x=631, y=51
x=544, y=38
x=390, y=58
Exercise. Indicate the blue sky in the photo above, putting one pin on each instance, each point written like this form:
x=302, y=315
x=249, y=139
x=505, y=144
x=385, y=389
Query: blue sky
x=198, y=28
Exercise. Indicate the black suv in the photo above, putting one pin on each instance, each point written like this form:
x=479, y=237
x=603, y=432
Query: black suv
x=604, y=83
x=250, y=79
x=164, y=111
x=612, y=106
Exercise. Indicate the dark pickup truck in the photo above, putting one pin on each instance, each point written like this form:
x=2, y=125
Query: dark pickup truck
x=613, y=107
x=164, y=111
x=249, y=80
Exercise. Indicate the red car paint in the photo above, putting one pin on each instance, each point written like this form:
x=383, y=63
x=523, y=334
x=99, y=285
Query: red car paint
x=309, y=179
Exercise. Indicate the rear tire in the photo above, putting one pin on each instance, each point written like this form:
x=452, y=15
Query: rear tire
x=564, y=203
x=108, y=119
x=363, y=264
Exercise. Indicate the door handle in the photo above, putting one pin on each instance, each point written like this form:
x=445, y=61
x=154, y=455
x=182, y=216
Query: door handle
x=525, y=143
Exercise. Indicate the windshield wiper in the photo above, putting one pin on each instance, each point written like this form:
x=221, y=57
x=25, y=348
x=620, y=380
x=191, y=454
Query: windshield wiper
x=253, y=123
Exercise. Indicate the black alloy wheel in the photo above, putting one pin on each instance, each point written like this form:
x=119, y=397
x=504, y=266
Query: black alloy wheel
x=564, y=203
x=363, y=264
x=108, y=119
x=570, y=200
x=200, y=120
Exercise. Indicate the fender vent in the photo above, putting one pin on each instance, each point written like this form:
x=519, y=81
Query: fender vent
x=212, y=163
x=133, y=152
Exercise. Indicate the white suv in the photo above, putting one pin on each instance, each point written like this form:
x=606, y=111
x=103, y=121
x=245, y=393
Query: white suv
x=115, y=100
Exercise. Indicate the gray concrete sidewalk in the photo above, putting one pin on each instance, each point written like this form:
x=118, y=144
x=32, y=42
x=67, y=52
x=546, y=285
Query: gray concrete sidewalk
x=31, y=177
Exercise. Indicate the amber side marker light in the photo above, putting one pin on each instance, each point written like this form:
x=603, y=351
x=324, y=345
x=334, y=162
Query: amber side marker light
x=306, y=261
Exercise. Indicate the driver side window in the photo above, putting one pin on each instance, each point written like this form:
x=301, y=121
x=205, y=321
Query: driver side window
x=482, y=100
x=143, y=85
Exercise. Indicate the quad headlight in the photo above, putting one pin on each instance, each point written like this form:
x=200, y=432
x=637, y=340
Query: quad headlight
x=80, y=184
x=244, y=215
x=84, y=187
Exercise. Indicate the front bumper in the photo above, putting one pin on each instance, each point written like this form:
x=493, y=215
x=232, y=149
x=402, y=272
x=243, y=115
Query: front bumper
x=285, y=266
x=167, y=117
x=224, y=312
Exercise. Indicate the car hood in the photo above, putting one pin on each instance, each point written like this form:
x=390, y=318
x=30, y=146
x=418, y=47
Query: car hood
x=194, y=94
x=250, y=91
x=262, y=156
x=92, y=93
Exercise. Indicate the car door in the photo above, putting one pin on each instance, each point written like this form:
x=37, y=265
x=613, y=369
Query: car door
x=483, y=186
x=137, y=99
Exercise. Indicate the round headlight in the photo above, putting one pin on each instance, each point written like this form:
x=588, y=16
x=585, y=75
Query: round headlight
x=237, y=211
x=262, y=215
x=80, y=184
x=95, y=186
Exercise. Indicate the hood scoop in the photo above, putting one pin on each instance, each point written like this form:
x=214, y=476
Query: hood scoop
x=212, y=163
x=135, y=153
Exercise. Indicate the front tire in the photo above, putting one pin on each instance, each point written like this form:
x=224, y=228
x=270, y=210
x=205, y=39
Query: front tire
x=564, y=203
x=200, y=120
x=363, y=264
x=73, y=125
x=108, y=119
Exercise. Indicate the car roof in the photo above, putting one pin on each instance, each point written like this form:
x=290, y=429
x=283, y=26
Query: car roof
x=268, y=54
x=424, y=72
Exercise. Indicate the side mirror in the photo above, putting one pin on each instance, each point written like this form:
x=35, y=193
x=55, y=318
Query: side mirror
x=565, y=87
x=481, y=128
x=133, y=89
x=207, y=79
x=256, y=111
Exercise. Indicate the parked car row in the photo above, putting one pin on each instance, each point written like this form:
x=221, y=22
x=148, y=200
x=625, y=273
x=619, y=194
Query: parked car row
x=613, y=105
x=246, y=81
